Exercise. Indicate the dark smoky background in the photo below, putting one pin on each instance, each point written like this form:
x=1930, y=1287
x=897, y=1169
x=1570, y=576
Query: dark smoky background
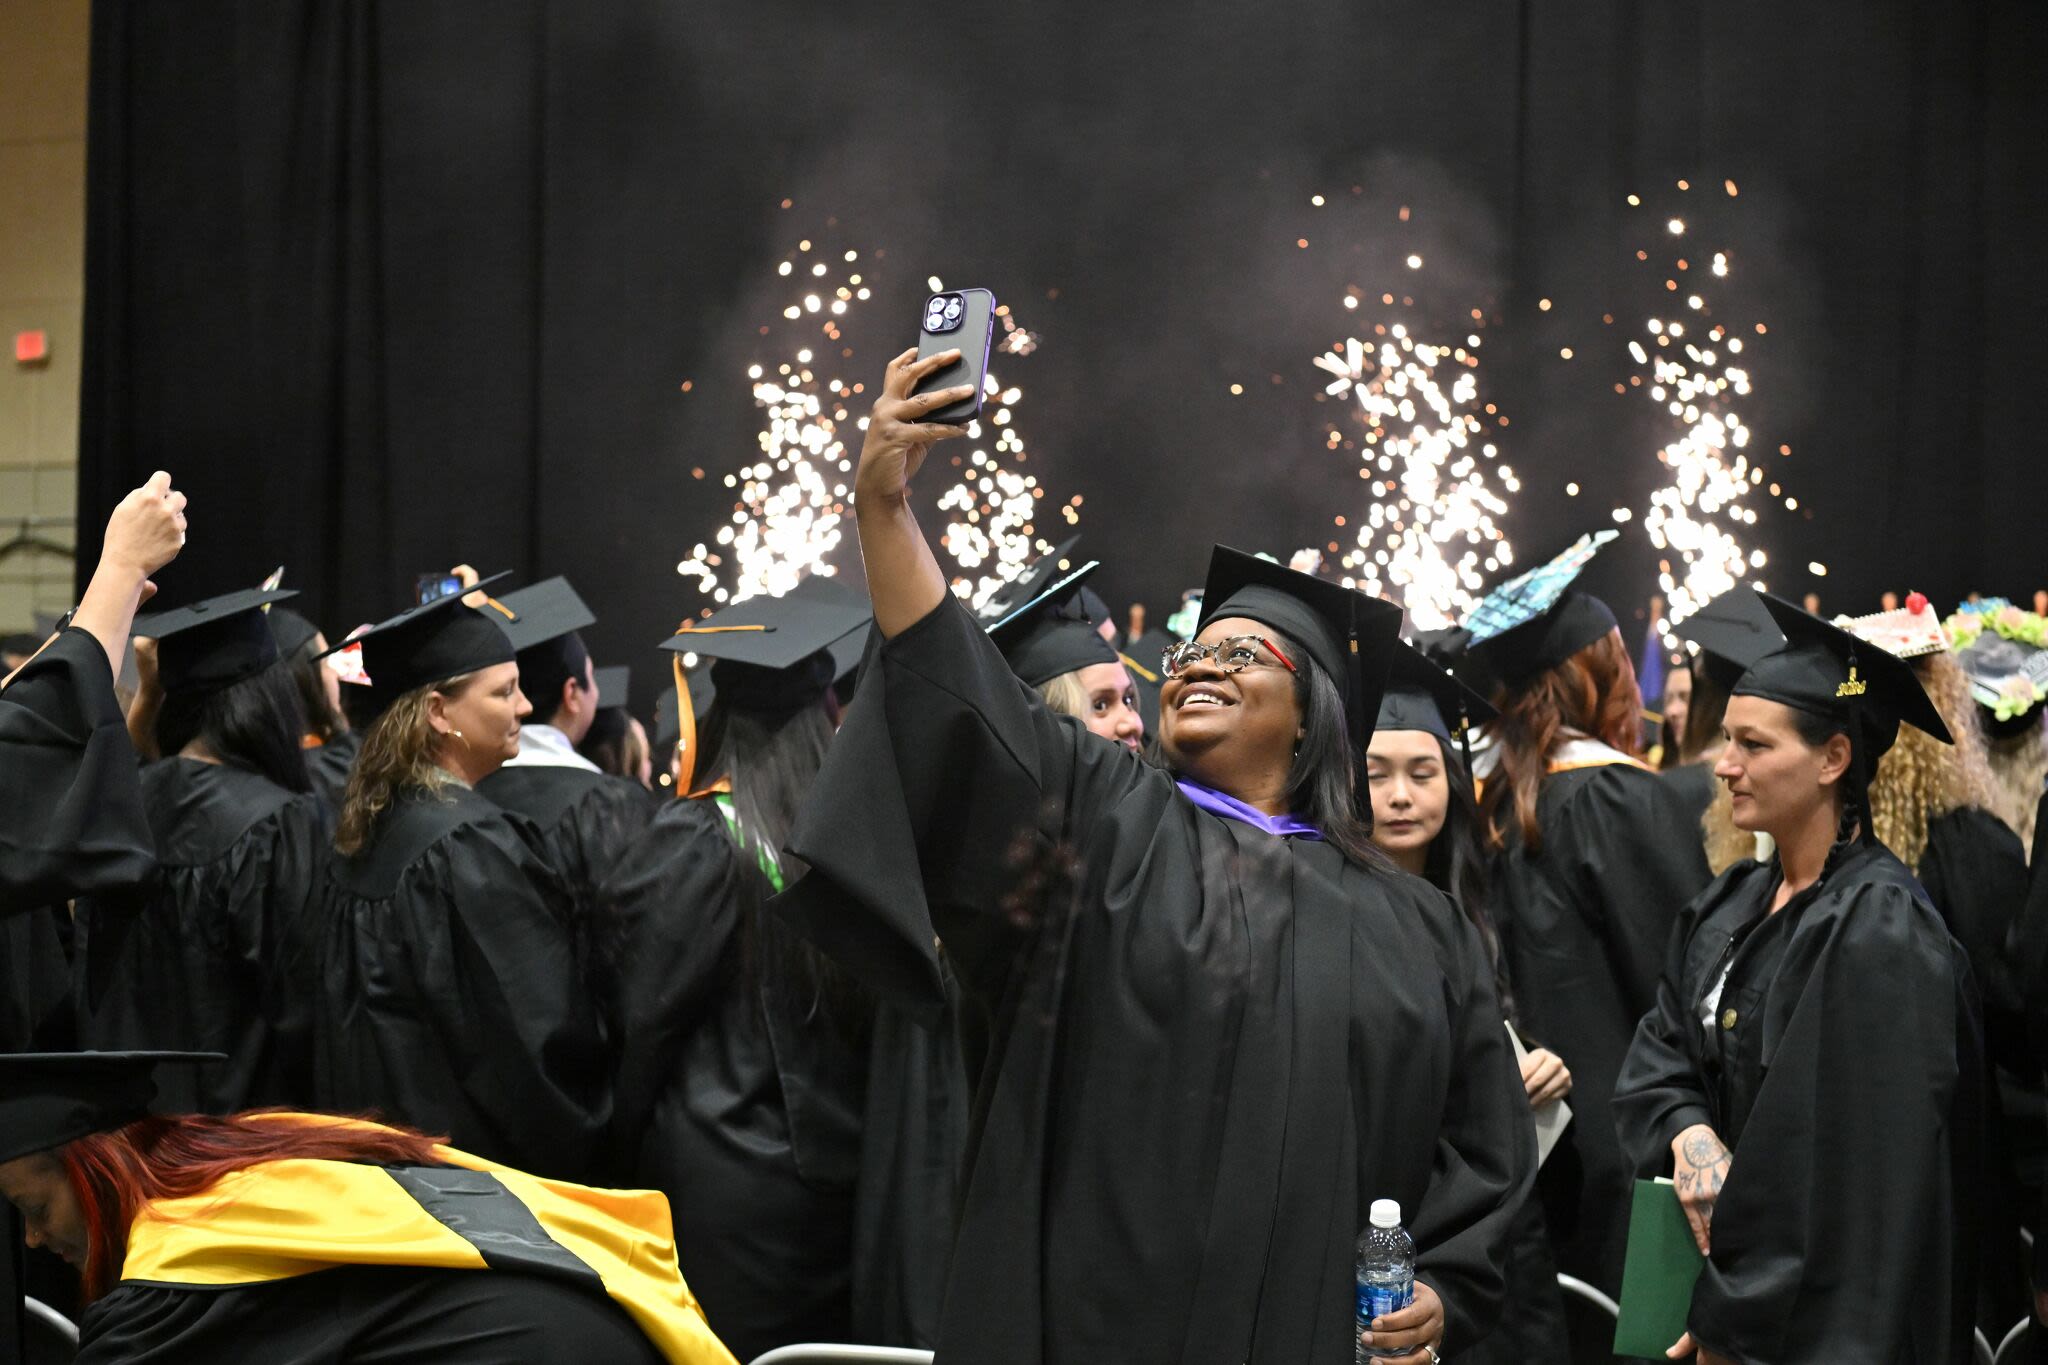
x=1133, y=182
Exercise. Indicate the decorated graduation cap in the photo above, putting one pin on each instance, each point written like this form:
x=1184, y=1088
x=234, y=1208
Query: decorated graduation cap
x=1422, y=695
x=1732, y=631
x=1348, y=633
x=213, y=644
x=1053, y=633
x=1537, y=620
x=50, y=1098
x=771, y=654
x=1826, y=670
x=1034, y=582
x=433, y=642
x=2008, y=681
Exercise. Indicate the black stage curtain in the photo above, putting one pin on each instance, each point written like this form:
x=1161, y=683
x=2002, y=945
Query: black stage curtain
x=393, y=285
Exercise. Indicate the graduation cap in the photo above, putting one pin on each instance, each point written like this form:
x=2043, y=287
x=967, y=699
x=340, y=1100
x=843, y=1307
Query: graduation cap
x=291, y=631
x=613, y=686
x=50, y=1098
x=215, y=643
x=432, y=643
x=1346, y=632
x=1732, y=631
x=1826, y=670
x=1145, y=657
x=770, y=654
x=1053, y=634
x=1537, y=620
x=1033, y=583
x=1422, y=695
x=1906, y=632
x=543, y=612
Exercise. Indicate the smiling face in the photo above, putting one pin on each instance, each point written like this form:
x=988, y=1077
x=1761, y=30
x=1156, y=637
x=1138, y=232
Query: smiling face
x=1112, y=704
x=1777, y=779
x=1219, y=727
x=1411, y=793
x=37, y=1186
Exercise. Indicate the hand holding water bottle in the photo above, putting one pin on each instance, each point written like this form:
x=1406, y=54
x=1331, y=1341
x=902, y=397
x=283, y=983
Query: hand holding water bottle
x=1400, y=1319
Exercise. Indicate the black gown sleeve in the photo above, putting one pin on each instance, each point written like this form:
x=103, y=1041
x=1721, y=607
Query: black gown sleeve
x=1975, y=872
x=665, y=917
x=1829, y=1235
x=944, y=779
x=71, y=813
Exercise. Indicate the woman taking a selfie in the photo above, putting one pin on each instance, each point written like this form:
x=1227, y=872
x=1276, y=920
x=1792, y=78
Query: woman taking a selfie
x=1207, y=1024
x=1810, y=1076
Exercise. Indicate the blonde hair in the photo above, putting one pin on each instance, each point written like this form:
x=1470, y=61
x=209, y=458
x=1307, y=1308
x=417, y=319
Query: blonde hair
x=397, y=756
x=1065, y=695
x=1921, y=779
x=1725, y=844
x=2019, y=767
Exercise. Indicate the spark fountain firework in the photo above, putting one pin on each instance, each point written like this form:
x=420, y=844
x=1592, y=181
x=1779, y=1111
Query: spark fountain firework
x=1430, y=534
x=790, y=505
x=1694, y=368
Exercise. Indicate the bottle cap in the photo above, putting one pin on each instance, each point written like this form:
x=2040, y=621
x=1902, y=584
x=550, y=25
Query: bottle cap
x=1386, y=1213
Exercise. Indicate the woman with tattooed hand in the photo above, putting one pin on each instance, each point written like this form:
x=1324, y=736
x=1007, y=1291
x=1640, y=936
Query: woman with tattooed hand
x=1809, y=1075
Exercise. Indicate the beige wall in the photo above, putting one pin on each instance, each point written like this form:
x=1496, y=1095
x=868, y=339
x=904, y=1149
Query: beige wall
x=42, y=288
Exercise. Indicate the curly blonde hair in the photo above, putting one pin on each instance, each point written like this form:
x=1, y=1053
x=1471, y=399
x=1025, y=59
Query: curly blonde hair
x=1920, y=778
x=2019, y=767
x=397, y=756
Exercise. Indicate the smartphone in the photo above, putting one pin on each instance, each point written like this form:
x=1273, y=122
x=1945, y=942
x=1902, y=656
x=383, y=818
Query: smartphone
x=965, y=318
x=429, y=586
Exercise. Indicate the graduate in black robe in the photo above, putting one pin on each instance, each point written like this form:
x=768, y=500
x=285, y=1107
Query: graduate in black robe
x=450, y=997
x=1204, y=1037
x=742, y=1052
x=211, y=953
x=1598, y=855
x=1811, y=1076
x=309, y=1239
x=71, y=817
x=586, y=817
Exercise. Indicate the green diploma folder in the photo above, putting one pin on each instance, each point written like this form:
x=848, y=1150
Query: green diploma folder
x=1657, y=1278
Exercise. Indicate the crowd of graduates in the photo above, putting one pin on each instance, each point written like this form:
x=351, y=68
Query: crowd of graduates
x=992, y=981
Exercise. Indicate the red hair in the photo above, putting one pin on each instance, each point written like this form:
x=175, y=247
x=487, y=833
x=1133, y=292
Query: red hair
x=1594, y=692
x=115, y=1174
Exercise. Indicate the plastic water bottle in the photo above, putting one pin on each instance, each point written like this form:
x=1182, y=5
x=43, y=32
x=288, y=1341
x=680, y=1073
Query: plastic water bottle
x=1386, y=1274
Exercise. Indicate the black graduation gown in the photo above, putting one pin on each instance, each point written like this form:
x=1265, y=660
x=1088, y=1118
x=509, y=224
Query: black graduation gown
x=1695, y=784
x=1583, y=928
x=449, y=996
x=35, y=982
x=1194, y=1073
x=71, y=818
x=328, y=765
x=907, y=1196
x=736, y=1098
x=585, y=819
x=2027, y=959
x=1975, y=871
x=364, y=1315
x=214, y=956
x=1845, y=1076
